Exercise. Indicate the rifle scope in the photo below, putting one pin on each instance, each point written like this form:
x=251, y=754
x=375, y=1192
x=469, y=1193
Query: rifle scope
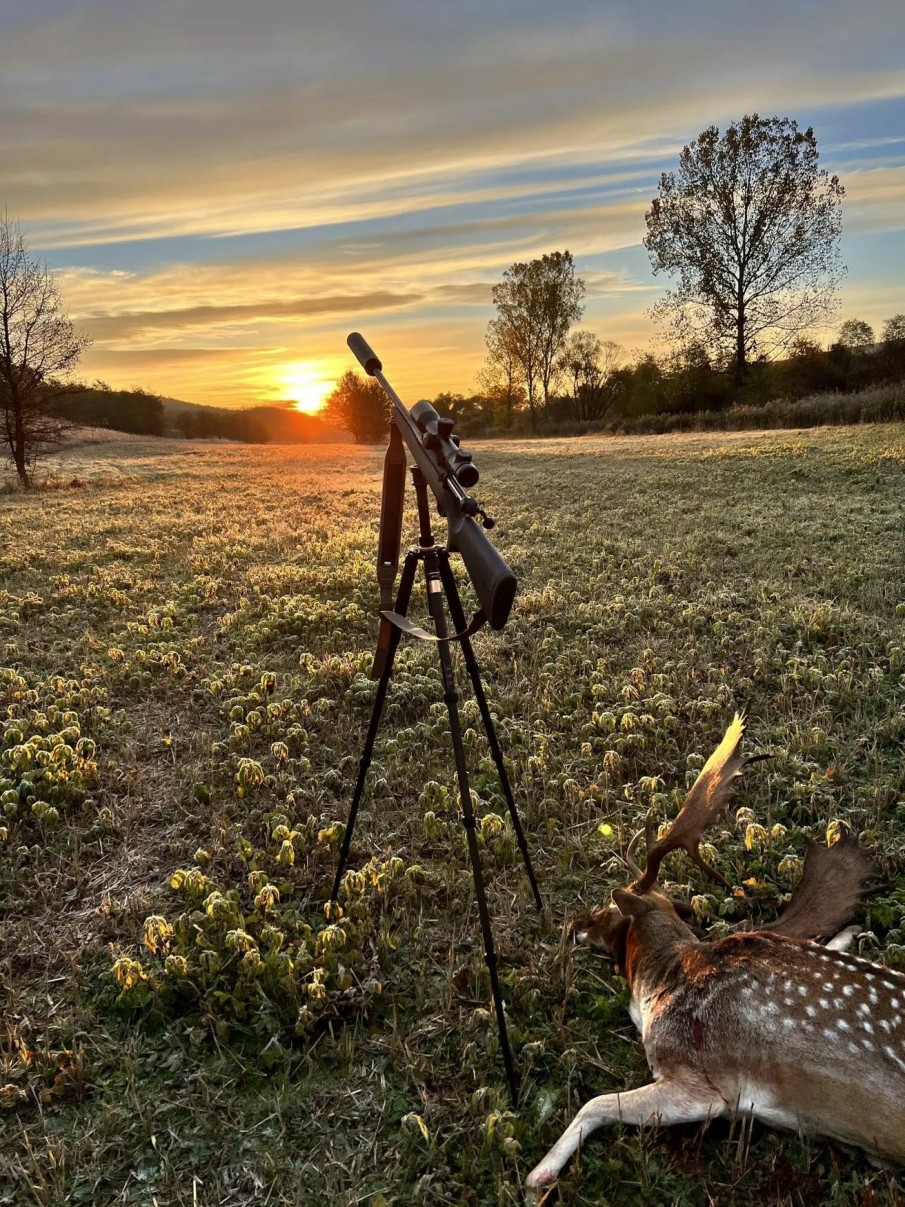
x=439, y=438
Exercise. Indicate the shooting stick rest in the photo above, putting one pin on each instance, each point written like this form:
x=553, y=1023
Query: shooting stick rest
x=439, y=580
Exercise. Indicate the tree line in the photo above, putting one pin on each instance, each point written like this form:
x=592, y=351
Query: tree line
x=97, y=405
x=598, y=388
x=252, y=425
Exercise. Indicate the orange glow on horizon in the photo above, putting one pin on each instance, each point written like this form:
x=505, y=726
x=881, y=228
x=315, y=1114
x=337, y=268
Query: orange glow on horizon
x=306, y=384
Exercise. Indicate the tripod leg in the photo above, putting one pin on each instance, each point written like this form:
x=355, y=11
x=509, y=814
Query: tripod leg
x=403, y=596
x=435, y=605
x=457, y=613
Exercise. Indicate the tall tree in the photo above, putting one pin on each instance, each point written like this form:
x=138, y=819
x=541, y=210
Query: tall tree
x=894, y=330
x=589, y=366
x=750, y=228
x=892, y=350
x=38, y=349
x=360, y=406
x=501, y=378
x=537, y=304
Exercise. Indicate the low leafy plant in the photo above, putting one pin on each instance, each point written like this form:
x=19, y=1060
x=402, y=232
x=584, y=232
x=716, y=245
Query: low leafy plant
x=254, y=958
x=47, y=767
x=209, y=617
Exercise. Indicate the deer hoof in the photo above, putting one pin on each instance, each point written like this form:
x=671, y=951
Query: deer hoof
x=538, y=1183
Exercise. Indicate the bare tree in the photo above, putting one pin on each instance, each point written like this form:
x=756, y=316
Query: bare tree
x=537, y=304
x=589, y=365
x=751, y=228
x=38, y=349
x=501, y=378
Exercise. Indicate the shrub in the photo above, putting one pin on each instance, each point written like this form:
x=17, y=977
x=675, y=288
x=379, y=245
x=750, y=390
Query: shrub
x=881, y=404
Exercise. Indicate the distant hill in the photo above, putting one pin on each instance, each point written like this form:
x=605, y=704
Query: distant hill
x=145, y=414
x=273, y=423
x=177, y=404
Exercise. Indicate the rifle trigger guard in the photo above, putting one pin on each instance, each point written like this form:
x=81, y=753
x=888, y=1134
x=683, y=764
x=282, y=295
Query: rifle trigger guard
x=405, y=626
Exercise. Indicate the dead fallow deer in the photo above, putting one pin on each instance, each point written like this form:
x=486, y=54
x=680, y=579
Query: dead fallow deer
x=761, y=1022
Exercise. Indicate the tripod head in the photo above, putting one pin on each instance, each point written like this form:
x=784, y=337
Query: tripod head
x=449, y=471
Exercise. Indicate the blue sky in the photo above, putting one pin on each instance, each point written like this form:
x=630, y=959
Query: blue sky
x=227, y=189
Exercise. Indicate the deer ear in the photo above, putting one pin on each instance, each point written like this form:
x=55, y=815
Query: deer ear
x=631, y=905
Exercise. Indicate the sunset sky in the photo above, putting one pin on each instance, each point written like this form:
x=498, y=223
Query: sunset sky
x=227, y=188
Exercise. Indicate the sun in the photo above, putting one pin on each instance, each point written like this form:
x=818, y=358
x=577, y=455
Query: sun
x=306, y=384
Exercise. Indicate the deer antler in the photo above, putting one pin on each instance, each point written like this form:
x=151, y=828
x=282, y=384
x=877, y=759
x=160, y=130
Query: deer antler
x=830, y=890
x=703, y=805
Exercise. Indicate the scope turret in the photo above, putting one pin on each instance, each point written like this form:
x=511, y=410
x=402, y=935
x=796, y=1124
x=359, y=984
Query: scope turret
x=438, y=436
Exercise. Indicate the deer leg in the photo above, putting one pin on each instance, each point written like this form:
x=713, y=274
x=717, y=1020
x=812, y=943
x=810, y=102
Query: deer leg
x=666, y=1101
x=845, y=938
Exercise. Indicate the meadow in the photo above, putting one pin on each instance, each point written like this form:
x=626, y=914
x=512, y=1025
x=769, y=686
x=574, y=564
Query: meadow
x=186, y=632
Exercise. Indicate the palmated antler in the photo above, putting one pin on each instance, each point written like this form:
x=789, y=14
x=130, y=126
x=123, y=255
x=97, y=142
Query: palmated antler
x=703, y=805
x=829, y=892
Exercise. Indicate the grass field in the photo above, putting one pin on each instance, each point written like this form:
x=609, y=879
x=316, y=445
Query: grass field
x=185, y=636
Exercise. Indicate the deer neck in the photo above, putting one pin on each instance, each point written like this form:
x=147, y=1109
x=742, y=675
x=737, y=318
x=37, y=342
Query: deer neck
x=652, y=963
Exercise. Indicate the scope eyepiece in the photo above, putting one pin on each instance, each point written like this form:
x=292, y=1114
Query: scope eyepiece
x=468, y=476
x=465, y=470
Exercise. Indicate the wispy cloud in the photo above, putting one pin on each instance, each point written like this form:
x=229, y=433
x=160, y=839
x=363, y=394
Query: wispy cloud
x=876, y=199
